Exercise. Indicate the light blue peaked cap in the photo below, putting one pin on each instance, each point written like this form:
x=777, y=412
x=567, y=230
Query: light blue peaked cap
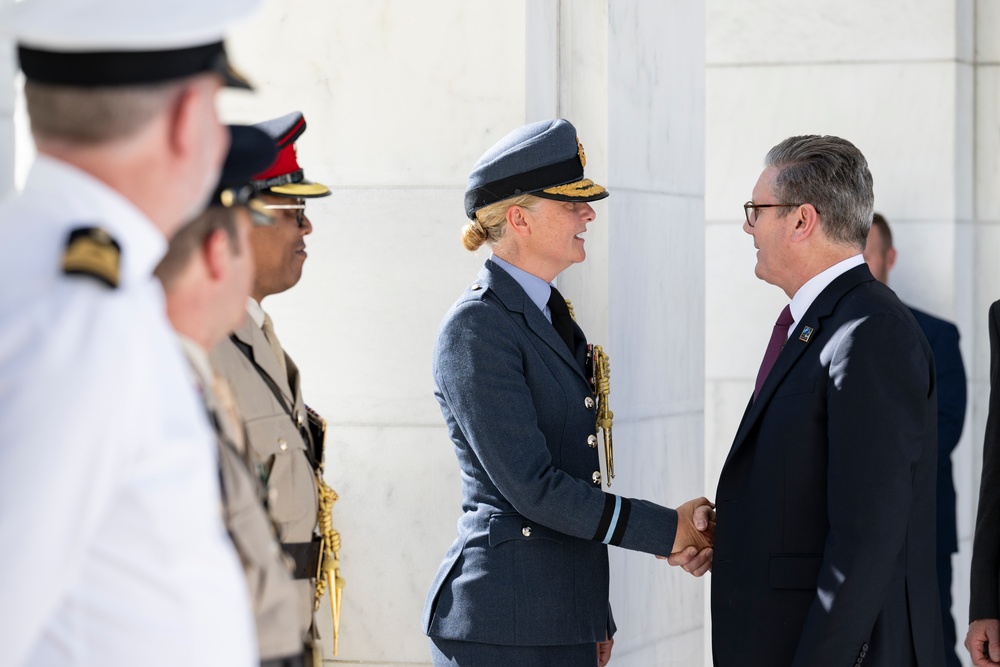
x=545, y=159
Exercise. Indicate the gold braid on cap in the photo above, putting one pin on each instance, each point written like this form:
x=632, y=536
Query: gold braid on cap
x=581, y=188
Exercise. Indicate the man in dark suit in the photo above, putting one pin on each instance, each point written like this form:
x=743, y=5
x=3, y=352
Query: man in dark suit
x=943, y=337
x=824, y=544
x=983, y=638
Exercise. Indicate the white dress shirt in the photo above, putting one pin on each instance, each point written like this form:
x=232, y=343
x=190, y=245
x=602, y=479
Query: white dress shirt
x=815, y=285
x=112, y=546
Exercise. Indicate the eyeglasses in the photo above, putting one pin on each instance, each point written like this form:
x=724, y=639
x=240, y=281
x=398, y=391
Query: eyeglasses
x=750, y=206
x=300, y=211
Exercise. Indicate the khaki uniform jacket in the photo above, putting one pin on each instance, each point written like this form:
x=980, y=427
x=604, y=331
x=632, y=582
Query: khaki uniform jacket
x=275, y=442
x=273, y=593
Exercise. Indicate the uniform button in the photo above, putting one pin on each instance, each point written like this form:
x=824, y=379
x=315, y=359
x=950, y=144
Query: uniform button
x=298, y=418
x=282, y=445
x=475, y=287
x=596, y=477
x=526, y=531
x=588, y=403
x=592, y=441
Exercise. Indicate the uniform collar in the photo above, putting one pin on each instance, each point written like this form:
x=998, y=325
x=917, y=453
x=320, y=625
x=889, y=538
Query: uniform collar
x=85, y=201
x=538, y=290
x=255, y=311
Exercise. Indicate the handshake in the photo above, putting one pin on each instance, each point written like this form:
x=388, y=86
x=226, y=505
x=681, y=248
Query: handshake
x=695, y=536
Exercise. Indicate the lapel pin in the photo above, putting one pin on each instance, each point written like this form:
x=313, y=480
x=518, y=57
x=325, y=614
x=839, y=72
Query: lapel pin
x=806, y=334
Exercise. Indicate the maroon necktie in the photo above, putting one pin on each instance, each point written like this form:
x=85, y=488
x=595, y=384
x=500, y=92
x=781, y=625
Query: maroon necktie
x=778, y=337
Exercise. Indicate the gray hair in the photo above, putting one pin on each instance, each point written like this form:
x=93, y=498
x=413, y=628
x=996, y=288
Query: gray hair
x=89, y=116
x=831, y=174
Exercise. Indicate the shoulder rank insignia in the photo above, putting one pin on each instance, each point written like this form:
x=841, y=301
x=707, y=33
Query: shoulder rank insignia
x=90, y=251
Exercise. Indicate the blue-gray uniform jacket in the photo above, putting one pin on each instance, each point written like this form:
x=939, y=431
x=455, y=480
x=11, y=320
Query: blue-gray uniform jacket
x=529, y=566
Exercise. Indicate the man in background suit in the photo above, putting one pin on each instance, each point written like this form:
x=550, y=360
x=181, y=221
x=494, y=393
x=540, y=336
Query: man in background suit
x=943, y=337
x=824, y=543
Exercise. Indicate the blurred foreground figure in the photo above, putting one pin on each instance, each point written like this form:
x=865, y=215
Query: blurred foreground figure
x=114, y=548
x=207, y=274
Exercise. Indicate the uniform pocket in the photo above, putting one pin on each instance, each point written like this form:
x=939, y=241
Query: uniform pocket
x=506, y=527
x=291, y=489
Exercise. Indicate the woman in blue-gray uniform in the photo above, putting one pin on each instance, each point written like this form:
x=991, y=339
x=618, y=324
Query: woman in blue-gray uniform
x=526, y=581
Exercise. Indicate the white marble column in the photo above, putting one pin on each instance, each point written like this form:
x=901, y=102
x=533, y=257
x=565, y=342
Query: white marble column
x=631, y=77
x=899, y=79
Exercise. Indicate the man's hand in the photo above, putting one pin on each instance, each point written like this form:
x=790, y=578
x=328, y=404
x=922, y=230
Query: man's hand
x=695, y=533
x=604, y=651
x=695, y=525
x=693, y=561
x=983, y=642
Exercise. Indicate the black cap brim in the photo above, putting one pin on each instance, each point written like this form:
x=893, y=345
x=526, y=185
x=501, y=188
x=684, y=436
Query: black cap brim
x=92, y=69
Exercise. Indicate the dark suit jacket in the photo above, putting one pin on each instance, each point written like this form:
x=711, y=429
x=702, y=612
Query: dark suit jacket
x=951, y=396
x=984, y=601
x=529, y=566
x=824, y=546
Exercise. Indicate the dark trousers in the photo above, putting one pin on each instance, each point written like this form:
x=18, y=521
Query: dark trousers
x=947, y=622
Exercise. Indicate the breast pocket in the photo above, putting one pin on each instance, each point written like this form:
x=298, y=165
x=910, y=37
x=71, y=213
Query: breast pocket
x=795, y=388
x=291, y=488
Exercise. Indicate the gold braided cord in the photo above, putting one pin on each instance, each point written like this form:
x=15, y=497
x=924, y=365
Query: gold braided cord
x=328, y=572
x=569, y=307
x=581, y=188
x=605, y=417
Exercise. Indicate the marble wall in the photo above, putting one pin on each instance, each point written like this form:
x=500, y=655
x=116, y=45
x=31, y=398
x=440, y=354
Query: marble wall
x=640, y=87
x=401, y=98
x=914, y=86
x=8, y=66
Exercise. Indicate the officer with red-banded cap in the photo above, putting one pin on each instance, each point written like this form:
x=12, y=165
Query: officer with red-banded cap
x=114, y=548
x=283, y=435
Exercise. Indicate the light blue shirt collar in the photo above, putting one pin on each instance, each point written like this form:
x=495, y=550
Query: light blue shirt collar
x=537, y=289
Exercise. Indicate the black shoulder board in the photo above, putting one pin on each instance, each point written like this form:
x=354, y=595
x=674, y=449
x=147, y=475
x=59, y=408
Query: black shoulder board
x=90, y=251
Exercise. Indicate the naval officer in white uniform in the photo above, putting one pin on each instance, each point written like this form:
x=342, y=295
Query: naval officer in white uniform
x=114, y=551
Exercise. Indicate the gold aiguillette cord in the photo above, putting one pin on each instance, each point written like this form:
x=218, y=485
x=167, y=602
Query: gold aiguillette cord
x=605, y=417
x=328, y=572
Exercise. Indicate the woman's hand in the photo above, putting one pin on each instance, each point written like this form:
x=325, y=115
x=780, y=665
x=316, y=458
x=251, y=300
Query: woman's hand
x=604, y=651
